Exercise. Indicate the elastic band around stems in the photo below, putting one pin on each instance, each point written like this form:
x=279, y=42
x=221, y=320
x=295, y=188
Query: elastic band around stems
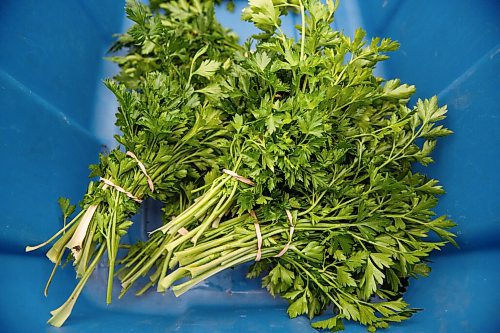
x=238, y=177
x=143, y=169
x=259, y=236
x=292, y=229
x=119, y=189
x=183, y=231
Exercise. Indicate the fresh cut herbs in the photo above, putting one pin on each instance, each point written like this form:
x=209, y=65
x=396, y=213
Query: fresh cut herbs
x=288, y=154
x=171, y=134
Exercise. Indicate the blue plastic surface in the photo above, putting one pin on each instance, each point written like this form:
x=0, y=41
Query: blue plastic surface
x=55, y=115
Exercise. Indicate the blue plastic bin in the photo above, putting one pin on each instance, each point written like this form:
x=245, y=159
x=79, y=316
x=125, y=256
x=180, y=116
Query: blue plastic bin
x=55, y=115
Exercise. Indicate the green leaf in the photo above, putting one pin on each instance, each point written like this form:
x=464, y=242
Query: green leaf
x=262, y=200
x=314, y=307
x=298, y=307
x=393, y=89
x=440, y=225
x=200, y=52
x=136, y=11
x=333, y=324
x=381, y=259
x=237, y=122
x=428, y=147
x=429, y=111
x=311, y=124
x=66, y=208
x=357, y=42
x=356, y=260
x=262, y=60
x=339, y=255
x=263, y=14
x=292, y=58
x=291, y=295
x=281, y=278
x=208, y=68
x=421, y=269
x=332, y=6
x=431, y=187
x=371, y=277
x=439, y=114
x=213, y=90
x=270, y=124
x=436, y=132
x=348, y=309
x=344, y=278
x=314, y=250
x=366, y=314
x=256, y=269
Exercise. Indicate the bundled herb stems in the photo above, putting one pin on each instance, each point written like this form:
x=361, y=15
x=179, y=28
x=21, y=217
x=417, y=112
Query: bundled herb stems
x=288, y=154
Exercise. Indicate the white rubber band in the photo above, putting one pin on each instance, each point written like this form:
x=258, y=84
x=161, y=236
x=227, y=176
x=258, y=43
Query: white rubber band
x=183, y=231
x=119, y=189
x=259, y=237
x=143, y=169
x=292, y=229
x=238, y=177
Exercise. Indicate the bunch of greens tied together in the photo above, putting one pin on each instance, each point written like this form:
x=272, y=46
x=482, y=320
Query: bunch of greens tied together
x=171, y=133
x=289, y=154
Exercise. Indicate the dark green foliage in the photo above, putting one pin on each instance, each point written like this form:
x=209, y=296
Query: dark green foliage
x=297, y=139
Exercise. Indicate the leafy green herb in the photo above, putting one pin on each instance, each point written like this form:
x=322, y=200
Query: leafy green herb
x=287, y=153
x=321, y=136
x=167, y=124
x=66, y=208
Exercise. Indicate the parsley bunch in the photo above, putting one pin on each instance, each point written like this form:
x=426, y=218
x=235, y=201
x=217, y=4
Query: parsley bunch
x=329, y=148
x=170, y=134
x=290, y=154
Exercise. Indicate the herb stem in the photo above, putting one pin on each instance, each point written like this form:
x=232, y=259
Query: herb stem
x=303, y=39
